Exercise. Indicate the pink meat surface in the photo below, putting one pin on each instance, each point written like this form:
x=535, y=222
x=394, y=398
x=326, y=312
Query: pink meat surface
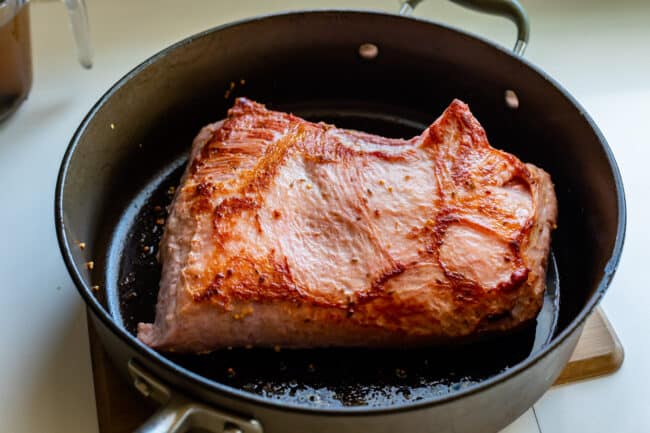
x=291, y=233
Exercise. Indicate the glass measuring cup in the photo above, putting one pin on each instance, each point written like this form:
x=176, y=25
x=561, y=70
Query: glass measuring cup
x=15, y=49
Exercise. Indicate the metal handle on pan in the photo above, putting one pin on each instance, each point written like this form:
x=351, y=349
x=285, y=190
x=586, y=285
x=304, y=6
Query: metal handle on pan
x=178, y=413
x=511, y=9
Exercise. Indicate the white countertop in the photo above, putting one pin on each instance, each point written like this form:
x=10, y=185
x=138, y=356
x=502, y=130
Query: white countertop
x=599, y=50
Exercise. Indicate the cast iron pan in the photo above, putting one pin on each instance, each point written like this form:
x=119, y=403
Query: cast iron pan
x=116, y=176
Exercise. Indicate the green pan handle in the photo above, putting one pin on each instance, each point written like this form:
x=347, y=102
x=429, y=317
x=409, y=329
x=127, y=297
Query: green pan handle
x=510, y=9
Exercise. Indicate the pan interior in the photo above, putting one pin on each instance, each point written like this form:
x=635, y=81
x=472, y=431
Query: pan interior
x=318, y=377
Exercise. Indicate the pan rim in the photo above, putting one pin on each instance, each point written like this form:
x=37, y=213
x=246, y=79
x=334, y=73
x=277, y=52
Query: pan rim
x=247, y=397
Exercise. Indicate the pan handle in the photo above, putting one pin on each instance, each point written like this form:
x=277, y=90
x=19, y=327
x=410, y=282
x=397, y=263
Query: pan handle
x=178, y=413
x=511, y=9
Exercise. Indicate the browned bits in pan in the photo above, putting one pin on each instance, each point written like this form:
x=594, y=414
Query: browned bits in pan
x=90, y=265
x=82, y=245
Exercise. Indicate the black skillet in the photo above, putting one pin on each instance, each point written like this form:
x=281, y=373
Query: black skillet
x=382, y=73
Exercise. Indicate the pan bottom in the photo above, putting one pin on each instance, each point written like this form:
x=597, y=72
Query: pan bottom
x=316, y=377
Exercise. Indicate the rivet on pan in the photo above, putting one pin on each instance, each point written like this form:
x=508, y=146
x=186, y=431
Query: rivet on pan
x=142, y=386
x=512, y=101
x=368, y=51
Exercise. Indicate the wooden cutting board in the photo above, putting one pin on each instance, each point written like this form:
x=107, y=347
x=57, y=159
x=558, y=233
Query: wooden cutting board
x=120, y=409
x=599, y=351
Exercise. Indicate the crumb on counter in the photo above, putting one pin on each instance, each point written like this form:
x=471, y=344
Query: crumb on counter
x=112, y=126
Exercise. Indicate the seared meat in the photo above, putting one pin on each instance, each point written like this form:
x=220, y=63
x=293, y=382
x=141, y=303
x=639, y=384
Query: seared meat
x=286, y=232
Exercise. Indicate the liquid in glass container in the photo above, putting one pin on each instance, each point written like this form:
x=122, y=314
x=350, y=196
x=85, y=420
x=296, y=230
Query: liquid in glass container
x=15, y=62
x=16, y=49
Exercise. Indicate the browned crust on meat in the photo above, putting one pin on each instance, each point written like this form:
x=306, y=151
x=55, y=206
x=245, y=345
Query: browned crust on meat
x=463, y=176
x=267, y=281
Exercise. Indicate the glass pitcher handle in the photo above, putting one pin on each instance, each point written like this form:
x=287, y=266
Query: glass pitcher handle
x=78, y=14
